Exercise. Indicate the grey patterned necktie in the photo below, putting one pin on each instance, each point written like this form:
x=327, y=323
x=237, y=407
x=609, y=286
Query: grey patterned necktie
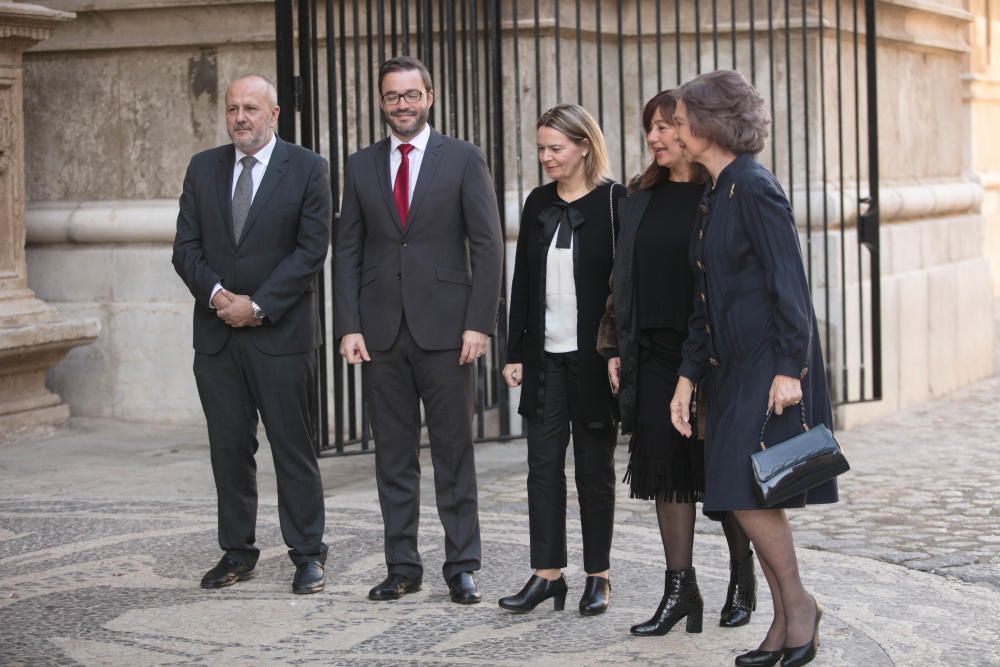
x=243, y=196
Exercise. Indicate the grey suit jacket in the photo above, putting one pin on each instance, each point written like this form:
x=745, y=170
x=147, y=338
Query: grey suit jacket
x=443, y=271
x=277, y=258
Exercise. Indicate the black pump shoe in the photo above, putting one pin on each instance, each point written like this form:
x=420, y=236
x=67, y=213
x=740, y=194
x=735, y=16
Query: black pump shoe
x=758, y=658
x=596, y=596
x=681, y=598
x=741, y=598
x=801, y=655
x=537, y=590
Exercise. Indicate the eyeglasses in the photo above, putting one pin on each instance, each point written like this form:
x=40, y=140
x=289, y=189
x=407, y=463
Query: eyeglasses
x=410, y=96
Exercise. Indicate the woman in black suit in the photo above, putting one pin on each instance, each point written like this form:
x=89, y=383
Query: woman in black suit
x=752, y=341
x=641, y=335
x=565, y=249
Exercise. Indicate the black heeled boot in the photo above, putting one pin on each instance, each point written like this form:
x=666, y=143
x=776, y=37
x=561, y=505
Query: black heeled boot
x=680, y=598
x=596, y=596
x=537, y=590
x=741, y=599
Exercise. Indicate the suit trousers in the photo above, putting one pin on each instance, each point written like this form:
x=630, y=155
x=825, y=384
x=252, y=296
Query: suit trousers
x=396, y=381
x=593, y=452
x=234, y=385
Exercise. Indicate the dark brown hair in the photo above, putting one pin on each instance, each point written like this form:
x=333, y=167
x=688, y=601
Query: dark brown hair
x=724, y=108
x=654, y=173
x=404, y=64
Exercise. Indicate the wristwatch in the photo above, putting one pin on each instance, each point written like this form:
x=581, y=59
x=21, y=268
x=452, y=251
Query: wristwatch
x=258, y=312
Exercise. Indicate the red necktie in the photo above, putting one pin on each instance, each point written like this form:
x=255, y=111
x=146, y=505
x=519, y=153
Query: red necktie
x=401, y=188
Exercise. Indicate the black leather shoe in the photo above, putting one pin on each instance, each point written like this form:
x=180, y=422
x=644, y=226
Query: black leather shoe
x=226, y=573
x=394, y=587
x=463, y=589
x=801, y=655
x=537, y=590
x=309, y=578
x=758, y=658
x=681, y=598
x=741, y=598
x=596, y=596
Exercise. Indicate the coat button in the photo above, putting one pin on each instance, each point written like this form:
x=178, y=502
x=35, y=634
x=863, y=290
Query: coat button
x=701, y=267
x=701, y=295
x=403, y=244
x=708, y=329
x=713, y=361
x=397, y=276
x=701, y=234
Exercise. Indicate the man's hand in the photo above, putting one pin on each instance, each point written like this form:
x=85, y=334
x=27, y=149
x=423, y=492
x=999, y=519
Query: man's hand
x=785, y=391
x=680, y=407
x=513, y=374
x=473, y=346
x=352, y=348
x=221, y=299
x=239, y=312
x=614, y=373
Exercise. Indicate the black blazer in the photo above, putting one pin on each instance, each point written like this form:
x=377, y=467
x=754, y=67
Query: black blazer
x=443, y=270
x=275, y=262
x=592, y=261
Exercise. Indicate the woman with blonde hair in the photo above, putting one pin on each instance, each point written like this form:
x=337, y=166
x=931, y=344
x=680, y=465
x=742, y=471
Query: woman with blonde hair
x=565, y=250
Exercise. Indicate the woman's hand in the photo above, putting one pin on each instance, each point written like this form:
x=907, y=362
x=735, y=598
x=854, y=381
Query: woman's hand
x=513, y=374
x=680, y=407
x=785, y=391
x=614, y=373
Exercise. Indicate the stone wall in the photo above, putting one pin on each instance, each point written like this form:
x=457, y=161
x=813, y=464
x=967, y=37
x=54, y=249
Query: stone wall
x=118, y=101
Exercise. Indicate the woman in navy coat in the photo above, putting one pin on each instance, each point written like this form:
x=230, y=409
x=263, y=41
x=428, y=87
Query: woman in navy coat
x=752, y=339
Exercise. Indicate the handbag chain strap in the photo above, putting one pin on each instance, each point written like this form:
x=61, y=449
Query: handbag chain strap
x=767, y=418
x=611, y=210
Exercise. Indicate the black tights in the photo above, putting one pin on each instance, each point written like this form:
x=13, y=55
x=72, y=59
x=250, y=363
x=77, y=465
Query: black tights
x=677, y=533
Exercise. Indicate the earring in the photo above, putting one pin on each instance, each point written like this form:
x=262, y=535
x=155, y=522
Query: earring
x=584, y=155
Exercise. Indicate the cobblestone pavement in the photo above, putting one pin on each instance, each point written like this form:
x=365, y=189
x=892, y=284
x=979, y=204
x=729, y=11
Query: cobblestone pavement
x=106, y=528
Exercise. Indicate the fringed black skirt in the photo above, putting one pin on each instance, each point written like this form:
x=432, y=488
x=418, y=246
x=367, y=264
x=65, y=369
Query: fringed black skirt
x=663, y=464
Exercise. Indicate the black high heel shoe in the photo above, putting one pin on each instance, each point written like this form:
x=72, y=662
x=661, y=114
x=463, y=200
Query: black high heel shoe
x=741, y=598
x=596, y=596
x=681, y=598
x=759, y=658
x=537, y=590
x=801, y=655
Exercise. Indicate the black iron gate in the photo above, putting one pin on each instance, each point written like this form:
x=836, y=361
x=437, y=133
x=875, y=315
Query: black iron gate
x=497, y=65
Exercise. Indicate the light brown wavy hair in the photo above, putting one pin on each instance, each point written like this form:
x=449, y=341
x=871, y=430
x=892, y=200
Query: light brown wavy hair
x=576, y=123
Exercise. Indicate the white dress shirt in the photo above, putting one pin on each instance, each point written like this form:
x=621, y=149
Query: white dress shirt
x=560, y=298
x=263, y=156
x=416, y=156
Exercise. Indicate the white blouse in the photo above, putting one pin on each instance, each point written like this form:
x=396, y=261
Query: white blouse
x=560, y=298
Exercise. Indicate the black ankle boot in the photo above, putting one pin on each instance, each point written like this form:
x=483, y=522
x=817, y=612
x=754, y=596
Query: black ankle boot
x=537, y=590
x=680, y=598
x=596, y=596
x=741, y=599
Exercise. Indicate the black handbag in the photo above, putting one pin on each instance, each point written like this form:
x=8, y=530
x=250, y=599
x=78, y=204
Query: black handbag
x=792, y=467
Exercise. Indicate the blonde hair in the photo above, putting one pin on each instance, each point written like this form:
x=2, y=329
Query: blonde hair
x=576, y=123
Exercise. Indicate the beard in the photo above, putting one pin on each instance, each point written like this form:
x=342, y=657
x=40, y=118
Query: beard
x=406, y=124
x=251, y=142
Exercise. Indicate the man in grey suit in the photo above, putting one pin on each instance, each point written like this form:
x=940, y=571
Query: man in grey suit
x=252, y=234
x=418, y=259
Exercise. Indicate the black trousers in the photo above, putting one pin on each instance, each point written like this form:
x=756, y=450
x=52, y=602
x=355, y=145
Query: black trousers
x=396, y=381
x=593, y=451
x=234, y=385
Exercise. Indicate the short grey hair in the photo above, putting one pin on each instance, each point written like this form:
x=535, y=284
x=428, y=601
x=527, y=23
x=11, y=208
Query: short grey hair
x=726, y=109
x=272, y=92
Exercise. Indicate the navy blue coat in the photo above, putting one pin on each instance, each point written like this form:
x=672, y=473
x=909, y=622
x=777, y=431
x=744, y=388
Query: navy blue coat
x=753, y=320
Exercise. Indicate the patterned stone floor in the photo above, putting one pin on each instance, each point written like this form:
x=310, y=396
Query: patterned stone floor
x=106, y=528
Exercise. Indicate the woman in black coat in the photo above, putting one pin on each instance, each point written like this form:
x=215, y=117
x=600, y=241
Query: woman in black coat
x=644, y=327
x=565, y=248
x=752, y=341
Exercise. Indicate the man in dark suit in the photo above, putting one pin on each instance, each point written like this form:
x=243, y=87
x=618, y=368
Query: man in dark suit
x=252, y=234
x=418, y=257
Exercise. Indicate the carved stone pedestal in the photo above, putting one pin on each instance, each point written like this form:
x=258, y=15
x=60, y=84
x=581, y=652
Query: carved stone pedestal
x=33, y=337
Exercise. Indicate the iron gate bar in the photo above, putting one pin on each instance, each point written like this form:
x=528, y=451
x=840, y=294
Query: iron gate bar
x=826, y=211
x=715, y=34
x=697, y=37
x=517, y=102
x=538, y=76
x=753, y=45
x=805, y=126
x=677, y=39
x=558, y=40
x=579, y=54
x=621, y=83
x=732, y=28
x=599, y=40
x=868, y=225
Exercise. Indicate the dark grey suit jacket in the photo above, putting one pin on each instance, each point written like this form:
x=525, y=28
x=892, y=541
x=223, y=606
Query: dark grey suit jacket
x=277, y=259
x=443, y=271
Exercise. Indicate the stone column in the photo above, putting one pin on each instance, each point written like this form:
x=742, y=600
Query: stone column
x=33, y=337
